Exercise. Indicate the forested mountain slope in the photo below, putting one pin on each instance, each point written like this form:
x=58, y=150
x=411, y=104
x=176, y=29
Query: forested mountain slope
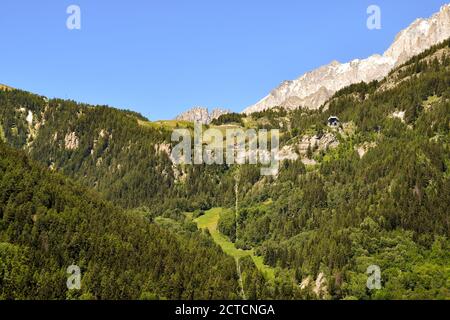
x=379, y=195
x=118, y=153
x=48, y=222
x=373, y=190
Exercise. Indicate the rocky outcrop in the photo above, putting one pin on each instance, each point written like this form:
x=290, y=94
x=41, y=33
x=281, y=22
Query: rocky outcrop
x=71, y=141
x=5, y=87
x=314, y=88
x=325, y=142
x=33, y=123
x=216, y=113
x=398, y=115
x=30, y=118
x=201, y=115
x=319, y=287
x=364, y=148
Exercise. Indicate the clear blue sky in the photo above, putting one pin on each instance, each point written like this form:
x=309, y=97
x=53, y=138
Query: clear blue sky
x=162, y=57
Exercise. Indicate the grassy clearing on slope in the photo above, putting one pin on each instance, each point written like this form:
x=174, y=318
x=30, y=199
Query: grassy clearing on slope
x=210, y=221
x=167, y=124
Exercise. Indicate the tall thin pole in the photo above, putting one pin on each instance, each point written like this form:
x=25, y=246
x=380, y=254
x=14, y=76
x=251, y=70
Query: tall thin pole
x=236, y=191
x=238, y=265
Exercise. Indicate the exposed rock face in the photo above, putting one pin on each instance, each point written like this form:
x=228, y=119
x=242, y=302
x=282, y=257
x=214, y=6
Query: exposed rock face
x=326, y=141
x=364, y=148
x=299, y=150
x=5, y=87
x=71, y=141
x=319, y=287
x=201, y=115
x=195, y=114
x=103, y=134
x=30, y=118
x=420, y=35
x=399, y=115
x=314, y=88
x=216, y=113
x=33, y=122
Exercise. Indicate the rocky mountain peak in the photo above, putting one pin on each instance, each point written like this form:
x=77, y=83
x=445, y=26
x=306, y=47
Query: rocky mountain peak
x=201, y=114
x=420, y=35
x=314, y=88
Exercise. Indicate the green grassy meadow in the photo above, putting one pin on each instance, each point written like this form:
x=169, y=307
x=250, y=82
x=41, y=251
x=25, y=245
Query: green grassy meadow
x=210, y=221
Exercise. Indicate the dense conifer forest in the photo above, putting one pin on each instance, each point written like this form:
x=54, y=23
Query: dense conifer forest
x=48, y=222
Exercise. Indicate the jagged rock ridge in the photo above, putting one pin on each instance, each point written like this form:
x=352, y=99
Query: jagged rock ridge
x=201, y=115
x=314, y=88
